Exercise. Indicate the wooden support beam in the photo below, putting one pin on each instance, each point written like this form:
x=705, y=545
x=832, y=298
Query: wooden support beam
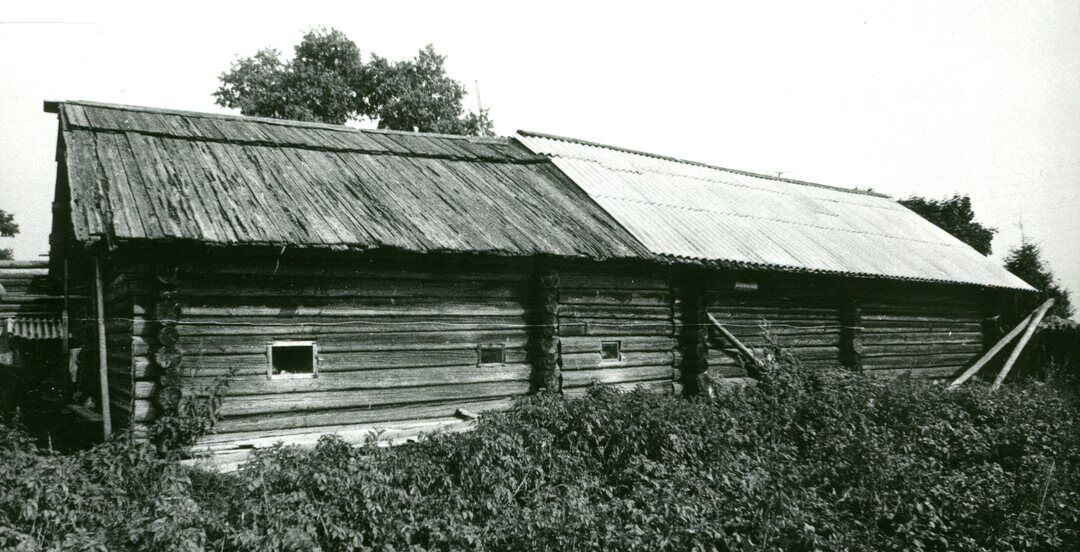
x=1036, y=318
x=996, y=348
x=734, y=341
x=67, y=315
x=103, y=362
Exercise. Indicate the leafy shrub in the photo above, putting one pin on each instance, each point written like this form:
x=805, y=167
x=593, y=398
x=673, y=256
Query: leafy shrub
x=807, y=460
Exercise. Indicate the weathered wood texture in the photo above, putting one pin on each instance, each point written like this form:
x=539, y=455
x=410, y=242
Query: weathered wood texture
x=632, y=309
x=118, y=307
x=393, y=344
x=799, y=317
x=931, y=331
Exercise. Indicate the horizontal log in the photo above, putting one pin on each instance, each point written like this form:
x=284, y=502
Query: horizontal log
x=600, y=297
x=921, y=337
x=605, y=279
x=340, y=306
x=871, y=349
x=429, y=310
x=196, y=345
x=929, y=361
x=578, y=378
x=665, y=386
x=629, y=312
x=626, y=344
x=332, y=362
x=365, y=379
x=191, y=327
x=145, y=411
x=584, y=361
x=608, y=327
x=291, y=269
x=327, y=400
x=387, y=433
x=227, y=428
x=338, y=287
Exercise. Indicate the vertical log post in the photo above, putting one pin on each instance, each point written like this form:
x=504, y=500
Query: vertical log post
x=851, y=347
x=66, y=318
x=694, y=340
x=548, y=375
x=167, y=355
x=103, y=359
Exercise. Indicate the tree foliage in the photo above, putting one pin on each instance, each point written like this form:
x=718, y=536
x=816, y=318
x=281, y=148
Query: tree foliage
x=955, y=216
x=1026, y=262
x=328, y=81
x=8, y=229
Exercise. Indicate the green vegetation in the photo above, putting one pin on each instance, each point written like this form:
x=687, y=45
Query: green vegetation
x=955, y=216
x=1025, y=261
x=8, y=229
x=805, y=460
x=328, y=81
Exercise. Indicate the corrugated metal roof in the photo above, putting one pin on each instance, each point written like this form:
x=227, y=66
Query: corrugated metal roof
x=150, y=174
x=693, y=211
x=27, y=309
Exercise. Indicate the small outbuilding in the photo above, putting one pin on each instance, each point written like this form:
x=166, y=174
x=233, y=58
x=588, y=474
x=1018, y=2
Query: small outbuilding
x=326, y=279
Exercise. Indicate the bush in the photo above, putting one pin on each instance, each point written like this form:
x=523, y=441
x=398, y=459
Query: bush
x=806, y=460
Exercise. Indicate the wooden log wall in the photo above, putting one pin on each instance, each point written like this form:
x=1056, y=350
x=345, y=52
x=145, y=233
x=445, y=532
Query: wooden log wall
x=119, y=308
x=393, y=344
x=932, y=331
x=800, y=316
x=634, y=309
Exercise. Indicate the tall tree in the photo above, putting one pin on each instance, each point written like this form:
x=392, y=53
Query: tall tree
x=955, y=216
x=327, y=81
x=1026, y=262
x=8, y=229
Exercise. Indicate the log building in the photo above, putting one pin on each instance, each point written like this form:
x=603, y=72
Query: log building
x=339, y=279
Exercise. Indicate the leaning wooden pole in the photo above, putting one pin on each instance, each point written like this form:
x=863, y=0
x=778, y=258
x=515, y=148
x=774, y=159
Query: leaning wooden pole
x=103, y=359
x=994, y=350
x=734, y=341
x=1037, y=317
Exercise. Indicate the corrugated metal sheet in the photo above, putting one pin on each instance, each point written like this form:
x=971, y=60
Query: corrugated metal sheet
x=32, y=328
x=693, y=211
x=27, y=309
x=150, y=174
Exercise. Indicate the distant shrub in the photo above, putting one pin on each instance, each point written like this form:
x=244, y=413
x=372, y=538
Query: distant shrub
x=807, y=460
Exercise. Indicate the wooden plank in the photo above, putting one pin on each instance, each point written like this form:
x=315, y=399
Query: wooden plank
x=422, y=310
x=307, y=420
x=349, y=342
x=361, y=380
x=627, y=344
x=584, y=361
x=326, y=400
x=317, y=327
x=578, y=378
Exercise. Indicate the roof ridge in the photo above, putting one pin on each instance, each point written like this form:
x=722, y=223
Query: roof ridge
x=52, y=106
x=700, y=164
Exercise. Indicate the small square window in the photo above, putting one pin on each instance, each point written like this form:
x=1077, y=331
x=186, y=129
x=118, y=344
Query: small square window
x=610, y=350
x=492, y=355
x=292, y=359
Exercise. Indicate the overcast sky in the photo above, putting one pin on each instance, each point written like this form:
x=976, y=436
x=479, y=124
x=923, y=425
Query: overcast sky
x=933, y=98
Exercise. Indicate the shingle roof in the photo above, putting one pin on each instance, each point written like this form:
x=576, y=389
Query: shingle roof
x=687, y=210
x=150, y=174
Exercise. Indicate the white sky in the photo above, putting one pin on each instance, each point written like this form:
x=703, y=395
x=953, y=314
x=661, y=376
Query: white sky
x=979, y=97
